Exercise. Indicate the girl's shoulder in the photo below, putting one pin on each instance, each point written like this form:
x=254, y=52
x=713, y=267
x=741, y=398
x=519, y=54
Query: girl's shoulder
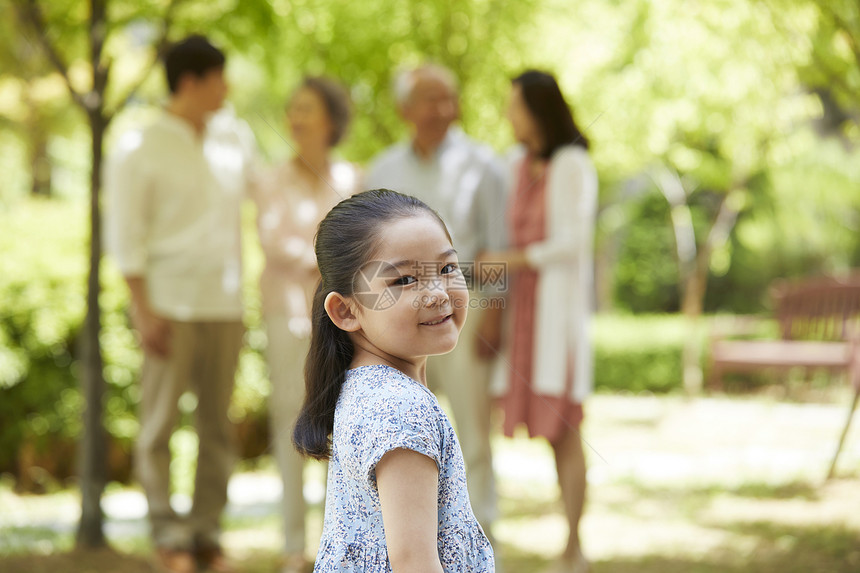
x=382, y=402
x=380, y=384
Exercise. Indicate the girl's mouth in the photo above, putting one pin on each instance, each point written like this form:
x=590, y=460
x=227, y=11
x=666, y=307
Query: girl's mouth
x=437, y=321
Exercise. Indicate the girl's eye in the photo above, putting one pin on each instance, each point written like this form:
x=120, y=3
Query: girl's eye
x=405, y=280
x=449, y=268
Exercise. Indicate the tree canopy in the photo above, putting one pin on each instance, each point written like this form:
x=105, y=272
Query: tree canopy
x=730, y=96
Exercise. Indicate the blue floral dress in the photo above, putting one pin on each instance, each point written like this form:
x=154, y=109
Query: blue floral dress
x=381, y=409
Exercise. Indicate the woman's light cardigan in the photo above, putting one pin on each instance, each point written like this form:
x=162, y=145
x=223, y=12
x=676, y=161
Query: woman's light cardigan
x=565, y=263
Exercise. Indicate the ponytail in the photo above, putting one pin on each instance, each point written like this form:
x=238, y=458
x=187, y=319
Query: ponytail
x=328, y=359
x=346, y=239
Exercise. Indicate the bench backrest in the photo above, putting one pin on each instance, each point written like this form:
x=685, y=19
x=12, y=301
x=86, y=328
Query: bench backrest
x=822, y=308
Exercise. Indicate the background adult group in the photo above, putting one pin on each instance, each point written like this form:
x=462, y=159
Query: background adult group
x=174, y=193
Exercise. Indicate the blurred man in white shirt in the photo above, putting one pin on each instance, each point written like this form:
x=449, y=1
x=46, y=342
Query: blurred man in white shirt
x=173, y=226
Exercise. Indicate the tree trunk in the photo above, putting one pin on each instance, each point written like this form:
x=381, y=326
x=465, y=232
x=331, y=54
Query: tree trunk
x=94, y=440
x=40, y=164
x=696, y=285
x=37, y=131
x=93, y=448
x=693, y=275
x=691, y=306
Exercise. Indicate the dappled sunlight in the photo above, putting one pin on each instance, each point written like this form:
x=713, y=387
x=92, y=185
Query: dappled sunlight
x=726, y=139
x=703, y=485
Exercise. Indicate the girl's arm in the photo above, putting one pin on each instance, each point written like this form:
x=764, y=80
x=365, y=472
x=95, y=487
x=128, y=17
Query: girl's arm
x=408, y=484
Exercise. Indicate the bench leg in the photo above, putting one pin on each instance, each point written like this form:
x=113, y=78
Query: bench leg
x=844, y=432
x=715, y=378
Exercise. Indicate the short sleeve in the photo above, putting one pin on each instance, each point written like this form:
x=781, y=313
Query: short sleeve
x=397, y=421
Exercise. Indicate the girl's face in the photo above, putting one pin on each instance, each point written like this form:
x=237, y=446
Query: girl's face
x=310, y=124
x=411, y=300
x=525, y=128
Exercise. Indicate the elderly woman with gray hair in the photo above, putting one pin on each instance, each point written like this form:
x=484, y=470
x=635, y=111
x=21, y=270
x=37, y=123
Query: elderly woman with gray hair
x=292, y=198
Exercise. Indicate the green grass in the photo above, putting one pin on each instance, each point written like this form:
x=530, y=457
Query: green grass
x=676, y=485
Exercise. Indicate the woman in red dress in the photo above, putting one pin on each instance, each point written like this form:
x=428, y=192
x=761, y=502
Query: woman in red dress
x=551, y=223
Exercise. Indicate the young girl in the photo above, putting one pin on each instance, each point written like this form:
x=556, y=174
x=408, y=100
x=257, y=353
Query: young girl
x=390, y=294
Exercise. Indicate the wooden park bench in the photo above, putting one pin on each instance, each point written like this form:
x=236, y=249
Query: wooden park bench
x=819, y=321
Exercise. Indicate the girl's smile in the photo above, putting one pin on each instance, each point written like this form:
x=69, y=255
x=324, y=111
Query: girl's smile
x=441, y=320
x=426, y=293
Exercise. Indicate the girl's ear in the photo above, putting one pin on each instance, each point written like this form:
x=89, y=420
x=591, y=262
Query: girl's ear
x=340, y=312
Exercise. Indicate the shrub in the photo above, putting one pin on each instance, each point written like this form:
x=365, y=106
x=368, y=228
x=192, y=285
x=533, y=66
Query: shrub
x=42, y=300
x=638, y=352
x=43, y=274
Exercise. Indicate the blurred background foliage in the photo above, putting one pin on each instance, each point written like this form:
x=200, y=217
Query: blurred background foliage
x=751, y=106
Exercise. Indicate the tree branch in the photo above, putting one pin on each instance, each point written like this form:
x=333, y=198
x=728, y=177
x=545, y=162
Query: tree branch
x=30, y=13
x=670, y=185
x=724, y=221
x=851, y=34
x=160, y=47
x=838, y=23
x=825, y=72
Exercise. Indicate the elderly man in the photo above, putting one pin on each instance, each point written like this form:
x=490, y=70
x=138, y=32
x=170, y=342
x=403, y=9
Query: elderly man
x=462, y=181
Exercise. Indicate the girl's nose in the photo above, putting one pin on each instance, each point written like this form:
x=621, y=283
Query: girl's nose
x=436, y=295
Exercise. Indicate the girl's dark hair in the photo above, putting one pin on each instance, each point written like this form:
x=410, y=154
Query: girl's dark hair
x=546, y=103
x=346, y=240
x=336, y=101
x=193, y=55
